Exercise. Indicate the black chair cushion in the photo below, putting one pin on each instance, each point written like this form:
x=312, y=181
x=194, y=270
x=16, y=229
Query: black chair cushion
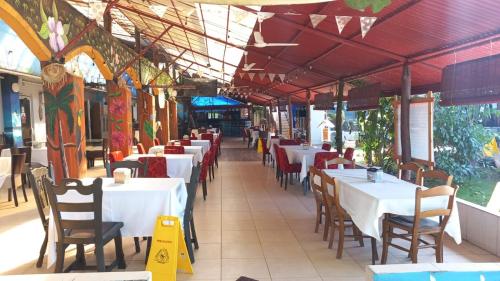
x=407, y=222
x=109, y=230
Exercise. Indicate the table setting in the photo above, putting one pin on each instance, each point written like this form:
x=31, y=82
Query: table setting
x=178, y=165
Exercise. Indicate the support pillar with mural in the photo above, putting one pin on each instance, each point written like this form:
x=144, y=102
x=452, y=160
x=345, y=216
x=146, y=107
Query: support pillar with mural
x=119, y=100
x=163, y=117
x=64, y=115
x=146, y=119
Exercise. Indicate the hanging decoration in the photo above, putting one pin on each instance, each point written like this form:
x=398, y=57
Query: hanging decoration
x=366, y=24
x=261, y=16
x=342, y=21
x=262, y=76
x=242, y=74
x=316, y=19
x=272, y=75
x=282, y=77
x=251, y=75
x=159, y=10
x=53, y=73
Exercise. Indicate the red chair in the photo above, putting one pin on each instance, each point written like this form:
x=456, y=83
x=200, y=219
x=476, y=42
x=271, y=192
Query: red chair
x=288, y=142
x=185, y=142
x=156, y=166
x=276, y=155
x=211, y=169
x=192, y=138
x=156, y=141
x=321, y=157
x=115, y=156
x=326, y=146
x=203, y=173
x=208, y=136
x=173, y=149
x=265, y=152
x=349, y=155
x=193, y=135
x=202, y=130
x=140, y=148
x=287, y=168
x=275, y=137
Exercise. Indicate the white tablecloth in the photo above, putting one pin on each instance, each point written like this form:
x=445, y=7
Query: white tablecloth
x=5, y=170
x=38, y=155
x=203, y=143
x=87, y=276
x=196, y=151
x=270, y=144
x=297, y=154
x=367, y=202
x=178, y=165
x=137, y=204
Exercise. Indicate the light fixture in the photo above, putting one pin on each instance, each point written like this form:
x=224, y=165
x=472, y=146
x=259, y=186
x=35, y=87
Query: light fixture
x=15, y=87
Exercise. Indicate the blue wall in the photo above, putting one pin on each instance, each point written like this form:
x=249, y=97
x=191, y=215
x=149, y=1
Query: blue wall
x=11, y=111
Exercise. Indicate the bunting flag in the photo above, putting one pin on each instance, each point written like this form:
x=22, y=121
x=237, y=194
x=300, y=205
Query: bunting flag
x=261, y=16
x=316, y=19
x=366, y=24
x=342, y=21
x=282, y=77
x=251, y=75
x=242, y=74
x=271, y=76
x=262, y=76
x=159, y=10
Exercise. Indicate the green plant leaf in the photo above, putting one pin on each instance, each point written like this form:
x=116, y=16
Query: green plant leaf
x=148, y=127
x=54, y=11
x=42, y=13
x=69, y=117
x=66, y=28
x=44, y=31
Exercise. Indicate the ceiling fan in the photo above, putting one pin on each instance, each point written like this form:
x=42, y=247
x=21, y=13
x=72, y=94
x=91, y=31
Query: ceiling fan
x=248, y=67
x=259, y=39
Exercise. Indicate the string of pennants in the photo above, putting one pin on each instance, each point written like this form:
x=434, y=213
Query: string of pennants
x=262, y=76
x=366, y=23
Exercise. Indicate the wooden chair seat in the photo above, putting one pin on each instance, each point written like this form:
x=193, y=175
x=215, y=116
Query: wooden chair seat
x=109, y=231
x=407, y=222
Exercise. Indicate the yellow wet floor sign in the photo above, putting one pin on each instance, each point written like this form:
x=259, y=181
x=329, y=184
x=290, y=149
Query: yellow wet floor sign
x=259, y=146
x=168, y=250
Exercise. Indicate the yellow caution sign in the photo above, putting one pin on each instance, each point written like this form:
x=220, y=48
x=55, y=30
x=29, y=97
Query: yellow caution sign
x=491, y=148
x=259, y=145
x=168, y=250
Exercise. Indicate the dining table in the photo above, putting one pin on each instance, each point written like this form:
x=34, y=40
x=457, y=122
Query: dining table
x=178, y=165
x=303, y=155
x=5, y=171
x=38, y=155
x=196, y=151
x=137, y=203
x=367, y=202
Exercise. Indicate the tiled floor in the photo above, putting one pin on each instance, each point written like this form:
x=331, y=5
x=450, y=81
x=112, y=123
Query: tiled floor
x=248, y=226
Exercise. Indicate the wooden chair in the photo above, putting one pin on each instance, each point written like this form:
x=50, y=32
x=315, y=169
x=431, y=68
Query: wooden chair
x=189, y=230
x=84, y=231
x=340, y=219
x=17, y=167
x=347, y=164
x=36, y=177
x=420, y=224
x=136, y=168
x=413, y=170
x=436, y=176
x=27, y=161
x=320, y=199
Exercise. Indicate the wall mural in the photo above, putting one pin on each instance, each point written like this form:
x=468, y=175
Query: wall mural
x=119, y=101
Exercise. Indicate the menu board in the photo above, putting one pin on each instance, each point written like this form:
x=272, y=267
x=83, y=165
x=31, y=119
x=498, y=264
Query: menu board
x=421, y=127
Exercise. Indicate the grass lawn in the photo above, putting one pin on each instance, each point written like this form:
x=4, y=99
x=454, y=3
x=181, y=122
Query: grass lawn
x=478, y=189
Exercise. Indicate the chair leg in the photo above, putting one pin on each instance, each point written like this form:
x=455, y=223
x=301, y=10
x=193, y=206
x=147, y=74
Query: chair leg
x=385, y=244
x=340, y=247
x=187, y=240
x=137, y=245
x=332, y=235
x=414, y=248
x=60, y=258
x=359, y=235
x=439, y=249
x=374, y=250
x=42, y=250
x=120, y=257
x=24, y=193
x=204, y=186
x=318, y=218
x=193, y=234
x=286, y=181
x=14, y=194
x=80, y=255
x=327, y=227
x=99, y=254
x=148, y=248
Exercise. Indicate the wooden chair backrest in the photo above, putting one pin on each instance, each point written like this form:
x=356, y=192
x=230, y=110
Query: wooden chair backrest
x=332, y=198
x=36, y=177
x=317, y=189
x=22, y=149
x=95, y=207
x=444, y=213
x=134, y=166
x=440, y=175
x=339, y=161
x=17, y=163
x=411, y=167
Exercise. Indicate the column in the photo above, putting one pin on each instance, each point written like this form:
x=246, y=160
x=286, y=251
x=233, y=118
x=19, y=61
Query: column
x=279, y=117
x=64, y=111
x=308, y=115
x=11, y=111
x=120, y=134
x=405, y=114
x=146, y=119
x=290, y=117
x=338, y=117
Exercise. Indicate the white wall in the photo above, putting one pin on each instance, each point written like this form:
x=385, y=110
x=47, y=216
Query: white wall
x=317, y=116
x=31, y=89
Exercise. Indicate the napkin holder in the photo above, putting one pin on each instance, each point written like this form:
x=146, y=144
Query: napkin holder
x=374, y=174
x=121, y=175
x=157, y=151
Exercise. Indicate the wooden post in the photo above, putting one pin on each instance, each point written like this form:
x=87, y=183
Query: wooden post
x=279, y=117
x=290, y=117
x=107, y=21
x=120, y=133
x=172, y=110
x=308, y=115
x=405, y=114
x=338, y=117
x=272, y=122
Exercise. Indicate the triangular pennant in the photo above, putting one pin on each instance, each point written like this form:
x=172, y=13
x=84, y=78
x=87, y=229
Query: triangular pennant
x=159, y=10
x=271, y=76
x=366, y=24
x=262, y=76
x=316, y=19
x=282, y=77
x=251, y=75
x=342, y=21
x=242, y=74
